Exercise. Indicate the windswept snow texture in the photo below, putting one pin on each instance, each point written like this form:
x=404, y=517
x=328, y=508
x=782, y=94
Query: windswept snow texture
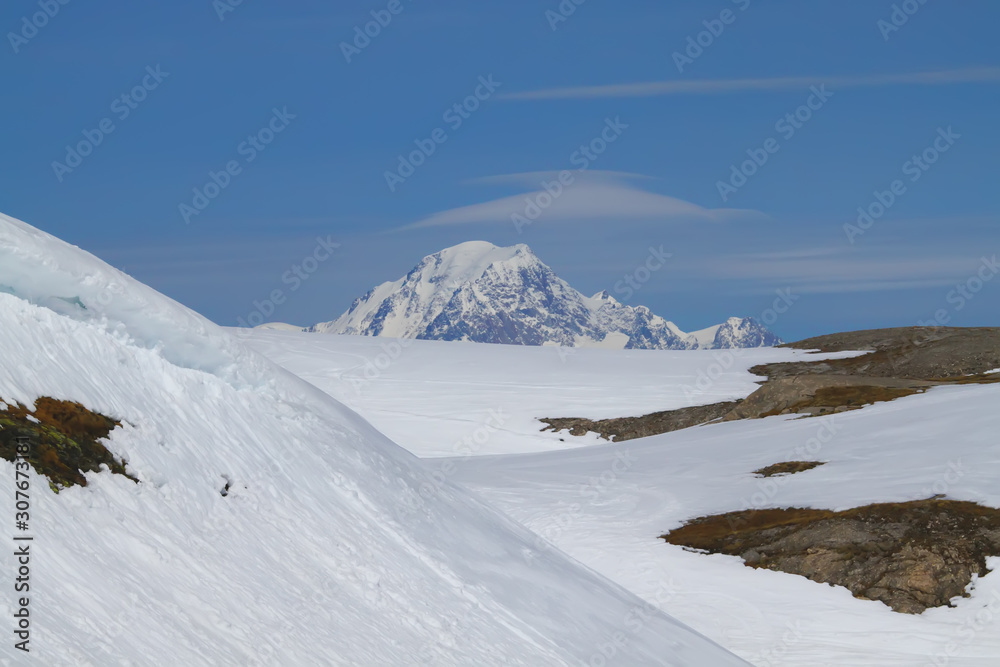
x=479, y=292
x=333, y=545
x=605, y=504
x=431, y=397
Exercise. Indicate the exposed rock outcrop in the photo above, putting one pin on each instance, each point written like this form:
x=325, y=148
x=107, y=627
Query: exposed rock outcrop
x=911, y=556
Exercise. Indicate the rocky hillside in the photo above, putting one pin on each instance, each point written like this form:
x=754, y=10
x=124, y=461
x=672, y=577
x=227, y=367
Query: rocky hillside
x=895, y=363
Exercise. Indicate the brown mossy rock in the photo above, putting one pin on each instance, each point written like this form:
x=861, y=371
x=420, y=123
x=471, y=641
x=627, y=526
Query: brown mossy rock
x=64, y=440
x=911, y=555
x=628, y=428
x=787, y=468
x=914, y=353
x=822, y=394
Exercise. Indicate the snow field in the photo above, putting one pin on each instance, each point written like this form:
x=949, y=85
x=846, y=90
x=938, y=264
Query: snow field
x=605, y=504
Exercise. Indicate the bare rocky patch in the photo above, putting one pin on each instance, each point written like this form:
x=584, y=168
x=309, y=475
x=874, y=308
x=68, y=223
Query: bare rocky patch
x=815, y=395
x=627, y=428
x=64, y=440
x=915, y=353
x=900, y=362
x=787, y=468
x=911, y=556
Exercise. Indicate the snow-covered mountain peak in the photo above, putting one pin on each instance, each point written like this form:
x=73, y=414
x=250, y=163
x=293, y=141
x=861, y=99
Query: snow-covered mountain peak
x=477, y=291
x=444, y=281
x=468, y=261
x=604, y=297
x=735, y=332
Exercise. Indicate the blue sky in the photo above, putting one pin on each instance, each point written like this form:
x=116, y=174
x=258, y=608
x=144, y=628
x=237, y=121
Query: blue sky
x=200, y=81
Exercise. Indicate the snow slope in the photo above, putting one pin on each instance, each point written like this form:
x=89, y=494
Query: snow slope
x=333, y=547
x=476, y=291
x=605, y=504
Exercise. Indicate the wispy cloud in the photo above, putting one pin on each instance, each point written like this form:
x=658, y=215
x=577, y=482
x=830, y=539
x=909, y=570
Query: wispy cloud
x=820, y=270
x=721, y=86
x=597, y=195
x=533, y=178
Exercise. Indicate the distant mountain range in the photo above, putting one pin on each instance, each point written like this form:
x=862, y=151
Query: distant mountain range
x=479, y=292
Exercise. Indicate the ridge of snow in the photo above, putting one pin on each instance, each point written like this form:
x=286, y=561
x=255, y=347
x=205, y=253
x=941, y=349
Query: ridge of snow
x=602, y=298
x=47, y=272
x=279, y=326
x=705, y=338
